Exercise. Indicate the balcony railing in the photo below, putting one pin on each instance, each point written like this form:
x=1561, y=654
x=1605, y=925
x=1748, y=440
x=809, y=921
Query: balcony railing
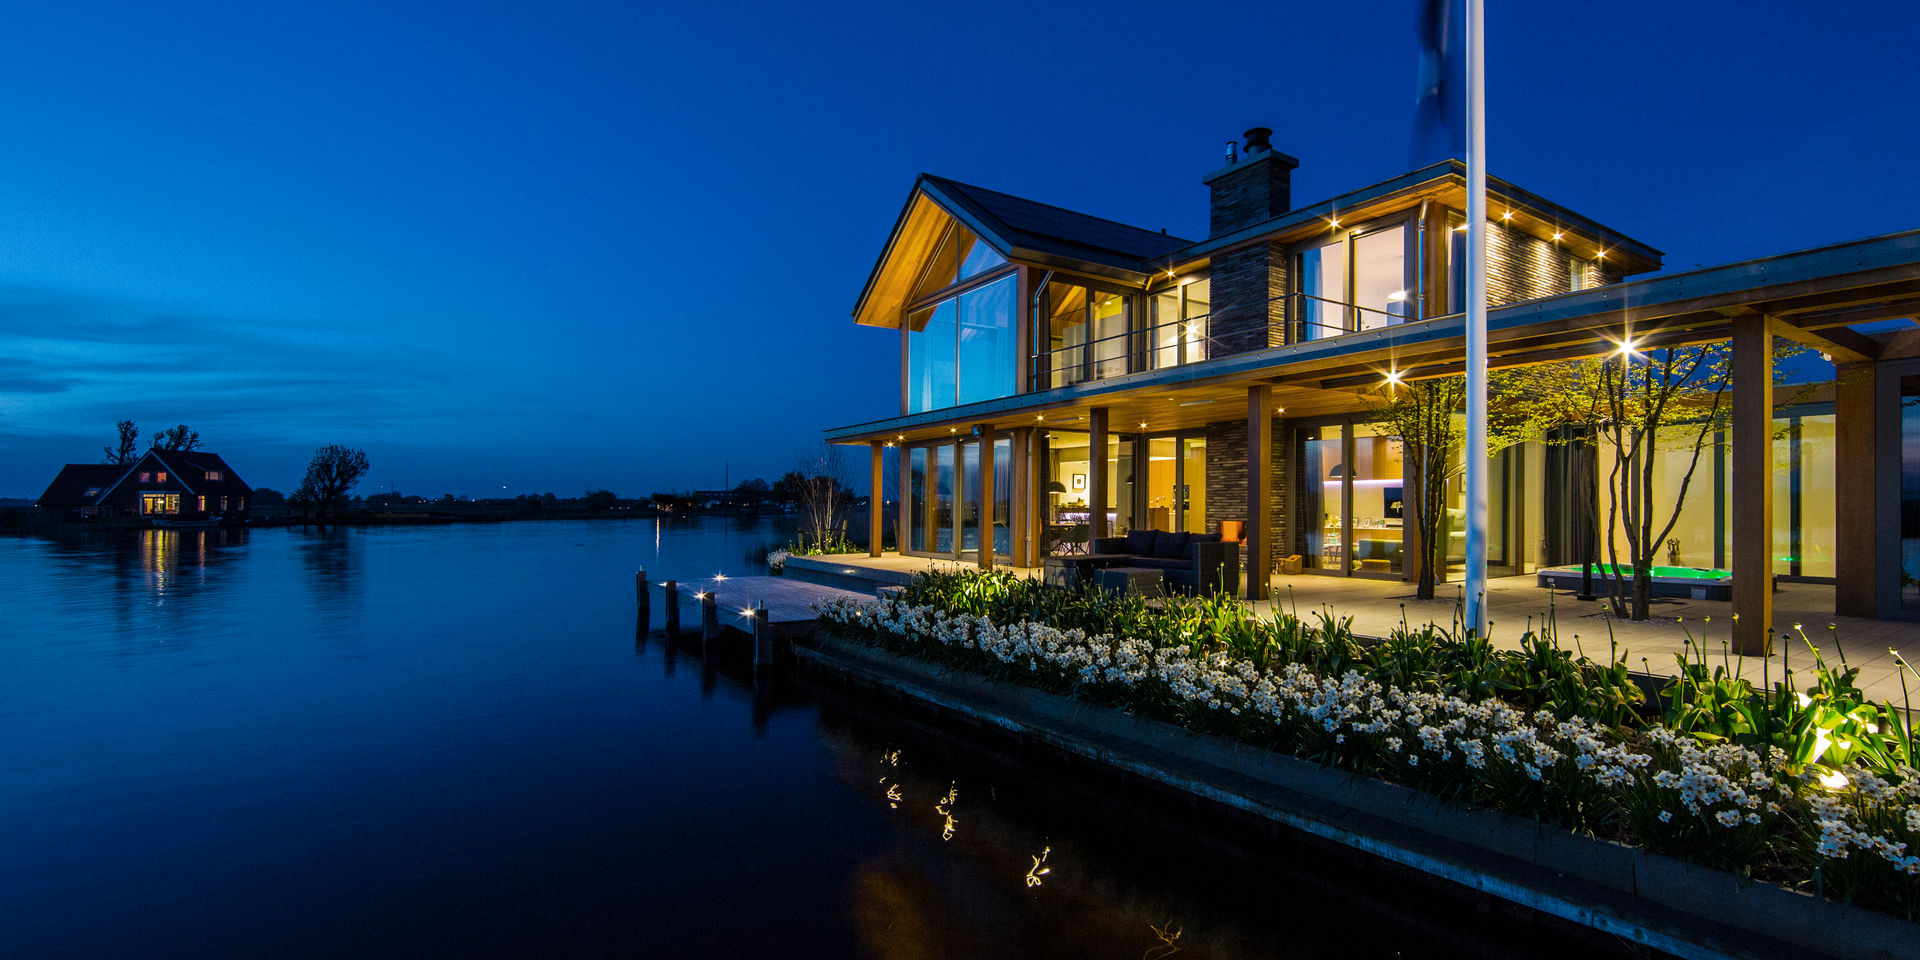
x=1303, y=317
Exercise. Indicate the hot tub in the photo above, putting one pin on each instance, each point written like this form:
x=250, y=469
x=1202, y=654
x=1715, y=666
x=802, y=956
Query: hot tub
x=1697, y=583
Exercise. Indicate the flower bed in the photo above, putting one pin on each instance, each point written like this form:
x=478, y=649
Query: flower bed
x=1537, y=732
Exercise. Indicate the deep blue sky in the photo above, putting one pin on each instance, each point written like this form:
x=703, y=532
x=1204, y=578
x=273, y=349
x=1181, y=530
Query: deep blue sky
x=547, y=247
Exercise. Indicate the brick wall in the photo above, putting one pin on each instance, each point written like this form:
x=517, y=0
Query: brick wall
x=1247, y=314
x=1227, y=477
x=1260, y=189
x=1524, y=267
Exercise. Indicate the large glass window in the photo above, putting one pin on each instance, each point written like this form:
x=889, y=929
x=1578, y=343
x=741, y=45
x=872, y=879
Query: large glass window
x=1909, y=493
x=962, y=349
x=1379, y=508
x=960, y=256
x=987, y=348
x=1356, y=282
x=1179, y=323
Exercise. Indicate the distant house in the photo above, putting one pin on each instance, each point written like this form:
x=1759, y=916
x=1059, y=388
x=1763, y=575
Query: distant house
x=182, y=485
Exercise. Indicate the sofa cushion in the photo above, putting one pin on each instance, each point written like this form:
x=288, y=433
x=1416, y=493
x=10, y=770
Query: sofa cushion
x=1161, y=563
x=1172, y=546
x=1205, y=538
x=1141, y=542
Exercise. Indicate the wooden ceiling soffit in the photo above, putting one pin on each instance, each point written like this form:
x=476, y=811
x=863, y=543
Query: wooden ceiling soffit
x=920, y=230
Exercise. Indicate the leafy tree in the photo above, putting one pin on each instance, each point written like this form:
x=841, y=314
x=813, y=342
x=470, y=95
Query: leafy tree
x=787, y=489
x=1640, y=405
x=330, y=476
x=1426, y=416
x=599, y=501
x=128, y=449
x=267, y=497
x=180, y=438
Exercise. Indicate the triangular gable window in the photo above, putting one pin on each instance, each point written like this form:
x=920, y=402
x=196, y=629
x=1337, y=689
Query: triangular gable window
x=960, y=255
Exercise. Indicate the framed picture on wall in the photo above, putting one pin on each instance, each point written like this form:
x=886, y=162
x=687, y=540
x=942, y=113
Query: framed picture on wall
x=1079, y=481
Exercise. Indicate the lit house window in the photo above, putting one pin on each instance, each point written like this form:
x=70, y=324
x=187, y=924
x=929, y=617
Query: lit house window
x=223, y=504
x=145, y=476
x=203, y=505
x=213, y=474
x=92, y=492
x=160, y=477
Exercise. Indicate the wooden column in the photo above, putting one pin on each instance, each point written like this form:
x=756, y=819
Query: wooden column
x=1259, y=488
x=1040, y=511
x=985, y=433
x=1097, y=470
x=1021, y=496
x=903, y=521
x=876, y=499
x=1752, y=565
x=1854, y=513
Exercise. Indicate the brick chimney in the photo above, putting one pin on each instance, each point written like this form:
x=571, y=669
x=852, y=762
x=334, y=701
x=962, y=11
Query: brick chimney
x=1257, y=186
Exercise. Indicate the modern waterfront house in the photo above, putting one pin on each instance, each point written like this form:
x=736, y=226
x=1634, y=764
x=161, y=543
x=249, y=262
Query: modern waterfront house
x=1064, y=377
x=170, y=484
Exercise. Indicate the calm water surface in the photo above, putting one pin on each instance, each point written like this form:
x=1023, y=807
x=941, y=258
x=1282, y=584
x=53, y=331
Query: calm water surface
x=448, y=742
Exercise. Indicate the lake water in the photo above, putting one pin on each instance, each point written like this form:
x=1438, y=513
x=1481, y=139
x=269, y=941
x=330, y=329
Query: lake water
x=449, y=742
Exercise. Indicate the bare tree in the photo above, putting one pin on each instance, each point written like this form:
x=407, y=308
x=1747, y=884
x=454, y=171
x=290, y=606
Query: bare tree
x=180, y=438
x=824, y=499
x=330, y=476
x=1422, y=415
x=129, y=449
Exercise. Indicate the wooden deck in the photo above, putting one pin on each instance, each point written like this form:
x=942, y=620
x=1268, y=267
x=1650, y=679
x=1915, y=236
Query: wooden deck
x=789, y=603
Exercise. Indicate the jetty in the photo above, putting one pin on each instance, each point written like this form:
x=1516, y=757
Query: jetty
x=773, y=612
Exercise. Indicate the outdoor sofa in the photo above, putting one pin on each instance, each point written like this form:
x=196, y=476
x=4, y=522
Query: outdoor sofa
x=1189, y=563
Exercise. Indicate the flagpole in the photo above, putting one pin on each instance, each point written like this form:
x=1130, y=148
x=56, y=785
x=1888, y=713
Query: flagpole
x=1476, y=443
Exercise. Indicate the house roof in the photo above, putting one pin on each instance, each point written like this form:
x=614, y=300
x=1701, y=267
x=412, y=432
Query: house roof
x=1028, y=225
x=70, y=485
x=192, y=466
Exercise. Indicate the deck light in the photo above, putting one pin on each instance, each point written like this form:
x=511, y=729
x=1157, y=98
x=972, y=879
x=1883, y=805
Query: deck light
x=1627, y=348
x=1393, y=378
x=1601, y=255
x=1334, y=221
x=1507, y=216
x=1279, y=409
x=719, y=576
x=1557, y=235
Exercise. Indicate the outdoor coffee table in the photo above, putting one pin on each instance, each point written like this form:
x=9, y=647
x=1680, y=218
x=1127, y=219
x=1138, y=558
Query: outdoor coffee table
x=1145, y=581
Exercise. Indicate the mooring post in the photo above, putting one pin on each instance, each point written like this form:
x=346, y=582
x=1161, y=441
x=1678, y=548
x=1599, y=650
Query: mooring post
x=762, y=639
x=672, y=600
x=709, y=618
x=643, y=599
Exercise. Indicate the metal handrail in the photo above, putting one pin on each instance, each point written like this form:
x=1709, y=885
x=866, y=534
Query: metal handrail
x=1139, y=352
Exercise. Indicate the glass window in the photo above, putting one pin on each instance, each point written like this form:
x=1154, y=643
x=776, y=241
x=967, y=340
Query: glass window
x=917, y=498
x=1110, y=334
x=977, y=257
x=1380, y=278
x=1323, y=283
x=1179, y=321
x=1379, y=510
x=1322, y=473
x=988, y=351
x=960, y=255
x=930, y=358
x=1813, y=493
x=1064, y=335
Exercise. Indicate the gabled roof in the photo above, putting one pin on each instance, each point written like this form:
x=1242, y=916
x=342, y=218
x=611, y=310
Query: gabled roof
x=1016, y=228
x=192, y=467
x=1028, y=225
x=70, y=485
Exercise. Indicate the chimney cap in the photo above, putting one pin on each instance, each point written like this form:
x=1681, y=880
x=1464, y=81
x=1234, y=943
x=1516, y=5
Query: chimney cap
x=1259, y=140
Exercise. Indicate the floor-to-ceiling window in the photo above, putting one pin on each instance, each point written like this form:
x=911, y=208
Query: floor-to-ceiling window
x=1355, y=280
x=1082, y=333
x=946, y=513
x=1176, y=493
x=1910, y=493
x=1179, y=322
x=960, y=330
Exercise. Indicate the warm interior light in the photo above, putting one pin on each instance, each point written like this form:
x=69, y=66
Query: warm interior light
x=1460, y=229
x=1279, y=409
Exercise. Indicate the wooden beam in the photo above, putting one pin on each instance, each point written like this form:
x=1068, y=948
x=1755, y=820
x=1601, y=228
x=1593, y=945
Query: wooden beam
x=1840, y=343
x=1097, y=470
x=1041, y=512
x=1855, y=517
x=1753, y=485
x=876, y=498
x=1259, y=490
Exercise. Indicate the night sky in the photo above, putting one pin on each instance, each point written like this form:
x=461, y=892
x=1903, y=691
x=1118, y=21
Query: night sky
x=529, y=248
